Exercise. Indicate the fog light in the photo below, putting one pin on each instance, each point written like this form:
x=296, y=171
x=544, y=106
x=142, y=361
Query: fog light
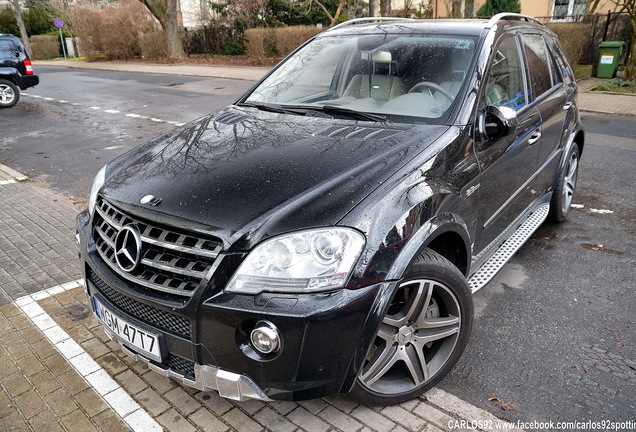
x=265, y=337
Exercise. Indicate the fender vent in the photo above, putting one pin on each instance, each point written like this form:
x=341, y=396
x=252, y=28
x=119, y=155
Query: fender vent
x=230, y=117
x=356, y=132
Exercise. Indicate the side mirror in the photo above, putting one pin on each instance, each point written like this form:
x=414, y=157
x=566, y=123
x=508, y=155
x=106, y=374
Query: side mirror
x=496, y=121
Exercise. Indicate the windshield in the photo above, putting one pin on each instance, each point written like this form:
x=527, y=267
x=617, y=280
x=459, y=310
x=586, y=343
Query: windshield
x=404, y=78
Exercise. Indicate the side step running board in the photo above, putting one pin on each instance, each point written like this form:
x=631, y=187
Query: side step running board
x=508, y=249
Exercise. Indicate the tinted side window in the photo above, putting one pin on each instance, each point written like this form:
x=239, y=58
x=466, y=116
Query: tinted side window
x=505, y=85
x=562, y=65
x=538, y=65
x=8, y=49
x=556, y=73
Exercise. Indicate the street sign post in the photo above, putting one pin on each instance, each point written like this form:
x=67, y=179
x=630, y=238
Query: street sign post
x=57, y=22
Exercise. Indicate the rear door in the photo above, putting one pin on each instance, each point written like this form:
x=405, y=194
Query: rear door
x=553, y=99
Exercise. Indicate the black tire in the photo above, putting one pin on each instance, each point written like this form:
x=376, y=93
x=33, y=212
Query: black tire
x=565, y=187
x=422, y=335
x=9, y=94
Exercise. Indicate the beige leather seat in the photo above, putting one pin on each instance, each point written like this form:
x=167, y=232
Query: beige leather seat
x=381, y=87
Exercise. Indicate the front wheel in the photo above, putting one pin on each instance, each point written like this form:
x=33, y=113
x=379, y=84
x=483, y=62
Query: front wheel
x=422, y=335
x=565, y=187
x=9, y=94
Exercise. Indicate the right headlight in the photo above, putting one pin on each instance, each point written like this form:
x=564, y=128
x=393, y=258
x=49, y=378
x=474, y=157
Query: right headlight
x=314, y=260
x=100, y=178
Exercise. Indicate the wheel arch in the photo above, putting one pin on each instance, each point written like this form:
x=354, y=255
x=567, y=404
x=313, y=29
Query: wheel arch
x=10, y=74
x=579, y=140
x=446, y=234
x=576, y=138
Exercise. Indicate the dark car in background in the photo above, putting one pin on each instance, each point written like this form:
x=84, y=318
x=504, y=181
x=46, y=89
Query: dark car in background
x=16, y=70
x=326, y=232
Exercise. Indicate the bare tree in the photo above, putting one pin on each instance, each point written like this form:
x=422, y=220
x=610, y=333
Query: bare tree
x=629, y=6
x=592, y=5
x=166, y=12
x=17, y=11
x=385, y=8
x=333, y=18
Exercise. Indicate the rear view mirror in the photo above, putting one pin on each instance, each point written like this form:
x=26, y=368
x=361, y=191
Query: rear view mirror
x=496, y=121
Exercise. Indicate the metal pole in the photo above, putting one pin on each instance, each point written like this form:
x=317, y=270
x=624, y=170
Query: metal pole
x=63, y=44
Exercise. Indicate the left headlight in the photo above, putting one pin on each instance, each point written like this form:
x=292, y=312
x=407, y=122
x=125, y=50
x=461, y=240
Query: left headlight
x=100, y=178
x=306, y=261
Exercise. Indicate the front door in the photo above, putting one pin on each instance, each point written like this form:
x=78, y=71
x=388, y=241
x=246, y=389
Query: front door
x=507, y=163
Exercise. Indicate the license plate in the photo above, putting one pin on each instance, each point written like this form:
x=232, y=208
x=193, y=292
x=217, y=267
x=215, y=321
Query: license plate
x=144, y=342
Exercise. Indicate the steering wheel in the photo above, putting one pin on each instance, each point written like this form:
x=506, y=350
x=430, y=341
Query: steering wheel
x=432, y=86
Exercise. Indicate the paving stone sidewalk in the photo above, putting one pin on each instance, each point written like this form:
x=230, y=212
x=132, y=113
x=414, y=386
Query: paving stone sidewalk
x=59, y=372
x=37, y=229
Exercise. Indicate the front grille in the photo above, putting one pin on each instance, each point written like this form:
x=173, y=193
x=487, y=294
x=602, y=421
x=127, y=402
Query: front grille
x=179, y=365
x=172, y=260
x=158, y=318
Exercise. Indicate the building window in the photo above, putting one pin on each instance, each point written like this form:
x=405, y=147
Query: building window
x=566, y=8
x=461, y=8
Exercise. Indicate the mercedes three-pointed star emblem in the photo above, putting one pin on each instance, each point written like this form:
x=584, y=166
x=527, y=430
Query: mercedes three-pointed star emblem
x=128, y=248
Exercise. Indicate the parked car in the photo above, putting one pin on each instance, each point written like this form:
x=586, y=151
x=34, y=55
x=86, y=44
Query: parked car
x=325, y=233
x=16, y=70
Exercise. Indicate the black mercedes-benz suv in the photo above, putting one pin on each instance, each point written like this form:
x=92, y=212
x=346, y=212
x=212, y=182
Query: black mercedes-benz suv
x=325, y=233
x=16, y=70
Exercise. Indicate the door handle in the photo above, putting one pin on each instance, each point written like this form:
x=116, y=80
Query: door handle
x=567, y=106
x=535, y=137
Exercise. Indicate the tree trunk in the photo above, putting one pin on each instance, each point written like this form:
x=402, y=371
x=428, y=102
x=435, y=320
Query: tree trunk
x=592, y=5
x=385, y=8
x=166, y=12
x=17, y=11
x=630, y=68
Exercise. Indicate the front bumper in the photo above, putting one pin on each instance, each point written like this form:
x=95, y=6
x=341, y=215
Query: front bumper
x=206, y=378
x=206, y=342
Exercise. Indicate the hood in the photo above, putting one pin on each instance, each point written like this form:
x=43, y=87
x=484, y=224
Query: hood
x=246, y=174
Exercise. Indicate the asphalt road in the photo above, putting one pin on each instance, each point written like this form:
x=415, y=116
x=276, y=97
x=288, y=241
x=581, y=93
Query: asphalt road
x=90, y=117
x=554, y=336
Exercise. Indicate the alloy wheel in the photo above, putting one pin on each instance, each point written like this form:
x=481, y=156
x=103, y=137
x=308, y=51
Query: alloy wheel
x=415, y=340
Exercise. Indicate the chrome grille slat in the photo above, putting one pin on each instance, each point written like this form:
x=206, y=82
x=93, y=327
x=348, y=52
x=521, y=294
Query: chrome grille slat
x=161, y=243
x=138, y=281
x=202, y=252
x=196, y=274
x=172, y=260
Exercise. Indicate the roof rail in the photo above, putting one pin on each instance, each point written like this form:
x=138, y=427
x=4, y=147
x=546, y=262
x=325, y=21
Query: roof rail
x=367, y=20
x=494, y=20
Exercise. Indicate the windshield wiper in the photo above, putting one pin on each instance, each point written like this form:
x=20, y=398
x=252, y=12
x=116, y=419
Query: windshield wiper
x=303, y=109
x=332, y=109
x=264, y=106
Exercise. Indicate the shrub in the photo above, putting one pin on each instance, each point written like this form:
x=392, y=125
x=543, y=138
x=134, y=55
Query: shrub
x=289, y=38
x=260, y=43
x=45, y=47
x=153, y=44
x=37, y=21
x=112, y=31
x=493, y=7
x=7, y=22
x=575, y=39
x=272, y=42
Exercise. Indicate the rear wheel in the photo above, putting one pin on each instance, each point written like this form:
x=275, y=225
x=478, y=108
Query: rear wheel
x=9, y=94
x=422, y=335
x=565, y=187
